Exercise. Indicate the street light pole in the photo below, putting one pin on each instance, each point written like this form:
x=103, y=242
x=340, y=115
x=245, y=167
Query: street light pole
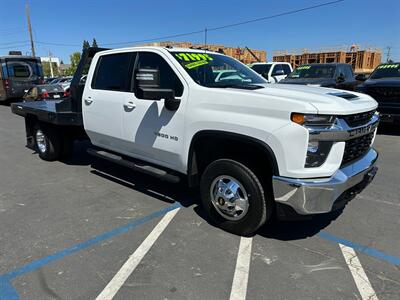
x=51, y=65
x=27, y=10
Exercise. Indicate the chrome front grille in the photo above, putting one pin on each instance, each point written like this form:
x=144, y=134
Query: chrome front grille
x=357, y=147
x=359, y=119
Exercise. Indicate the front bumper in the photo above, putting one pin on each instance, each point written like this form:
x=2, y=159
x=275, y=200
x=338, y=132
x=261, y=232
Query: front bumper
x=316, y=196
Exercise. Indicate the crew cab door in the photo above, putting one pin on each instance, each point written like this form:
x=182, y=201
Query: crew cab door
x=103, y=98
x=152, y=132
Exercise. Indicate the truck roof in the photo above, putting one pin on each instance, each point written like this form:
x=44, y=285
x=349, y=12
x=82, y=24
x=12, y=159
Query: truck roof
x=270, y=63
x=169, y=49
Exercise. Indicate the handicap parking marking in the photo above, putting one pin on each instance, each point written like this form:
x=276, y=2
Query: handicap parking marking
x=130, y=265
x=7, y=291
x=361, y=248
x=357, y=271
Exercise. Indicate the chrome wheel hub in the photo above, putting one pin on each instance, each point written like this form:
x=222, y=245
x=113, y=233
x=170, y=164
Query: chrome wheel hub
x=229, y=198
x=41, y=141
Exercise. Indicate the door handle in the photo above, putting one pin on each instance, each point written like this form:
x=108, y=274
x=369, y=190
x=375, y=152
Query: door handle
x=88, y=101
x=129, y=106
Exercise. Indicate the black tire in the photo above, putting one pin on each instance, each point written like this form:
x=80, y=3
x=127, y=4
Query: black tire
x=260, y=204
x=52, y=143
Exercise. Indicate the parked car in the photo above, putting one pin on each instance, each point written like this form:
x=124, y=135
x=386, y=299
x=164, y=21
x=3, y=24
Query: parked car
x=49, y=79
x=254, y=149
x=17, y=74
x=42, y=92
x=384, y=86
x=333, y=75
x=274, y=72
x=65, y=83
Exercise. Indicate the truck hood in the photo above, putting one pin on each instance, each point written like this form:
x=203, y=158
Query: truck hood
x=383, y=82
x=325, y=100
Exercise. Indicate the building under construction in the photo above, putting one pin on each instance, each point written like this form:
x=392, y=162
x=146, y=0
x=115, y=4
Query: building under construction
x=245, y=55
x=362, y=60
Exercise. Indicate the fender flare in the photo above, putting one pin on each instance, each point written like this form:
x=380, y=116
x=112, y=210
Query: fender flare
x=191, y=164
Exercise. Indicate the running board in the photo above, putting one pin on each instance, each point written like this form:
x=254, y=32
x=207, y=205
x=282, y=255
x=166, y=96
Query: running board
x=161, y=174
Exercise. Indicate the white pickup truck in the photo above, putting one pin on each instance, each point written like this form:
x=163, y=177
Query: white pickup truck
x=273, y=72
x=254, y=149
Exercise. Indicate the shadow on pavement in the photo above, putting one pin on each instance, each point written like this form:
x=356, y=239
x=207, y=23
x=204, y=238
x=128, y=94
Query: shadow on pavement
x=299, y=229
x=181, y=193
x=146, y=184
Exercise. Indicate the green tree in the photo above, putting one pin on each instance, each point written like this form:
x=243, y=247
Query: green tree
x=94, y=43
x=85, y=44
x=75, y=58
x=47, y=71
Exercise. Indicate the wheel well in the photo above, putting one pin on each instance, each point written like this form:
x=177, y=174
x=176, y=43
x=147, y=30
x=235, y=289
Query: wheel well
x=209, y=146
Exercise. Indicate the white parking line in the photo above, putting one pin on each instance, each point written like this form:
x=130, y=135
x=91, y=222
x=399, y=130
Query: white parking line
x=356, y=269
x=240, y=279
x=130, y=265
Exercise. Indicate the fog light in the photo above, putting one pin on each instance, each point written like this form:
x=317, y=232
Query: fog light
x=312, y=147
x=317, y=152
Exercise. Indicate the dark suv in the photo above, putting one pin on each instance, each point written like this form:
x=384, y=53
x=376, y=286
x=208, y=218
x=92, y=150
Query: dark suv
x=384, y=86
x=333, y=75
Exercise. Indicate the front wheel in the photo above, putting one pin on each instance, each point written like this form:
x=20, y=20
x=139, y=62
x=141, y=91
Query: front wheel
x=234, y=198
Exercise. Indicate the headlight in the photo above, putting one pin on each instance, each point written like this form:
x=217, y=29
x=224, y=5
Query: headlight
x=313, y=120
x=317, y=152
x=316, y=85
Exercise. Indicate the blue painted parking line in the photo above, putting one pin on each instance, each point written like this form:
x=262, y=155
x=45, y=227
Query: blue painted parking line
x=7, y=291
x=361, y=248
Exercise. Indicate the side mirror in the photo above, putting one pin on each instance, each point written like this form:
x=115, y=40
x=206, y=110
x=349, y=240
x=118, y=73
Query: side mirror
x=340, y=78
x=147, y=87
x=278, y=73
x=361, y=77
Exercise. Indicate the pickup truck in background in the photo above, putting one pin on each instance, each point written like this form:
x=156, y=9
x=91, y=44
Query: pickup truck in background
x=273, y=72
x=384, y=86
x=254, y=149
x=332, y=75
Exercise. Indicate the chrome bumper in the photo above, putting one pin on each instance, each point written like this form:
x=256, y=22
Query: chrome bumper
x=315, y=196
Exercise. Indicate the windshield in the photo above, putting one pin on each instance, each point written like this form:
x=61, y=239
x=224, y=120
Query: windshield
x=214, y=70
x=313, y=71
x=386, y=70
x=262, y=69
x=24, y=69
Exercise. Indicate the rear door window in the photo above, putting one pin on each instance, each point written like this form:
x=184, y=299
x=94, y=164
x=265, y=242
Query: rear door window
x=348, y=72
x=112, y=72
x=286, y=69
x=24, y=69
x=261, y=69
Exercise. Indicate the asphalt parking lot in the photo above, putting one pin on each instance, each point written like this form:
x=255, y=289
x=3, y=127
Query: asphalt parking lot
x=67, y=229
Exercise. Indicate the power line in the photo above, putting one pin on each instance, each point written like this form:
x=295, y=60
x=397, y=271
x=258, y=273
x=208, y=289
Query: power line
x=15, y=46
x=208, y=28
x=274, y=16
x=10, y=43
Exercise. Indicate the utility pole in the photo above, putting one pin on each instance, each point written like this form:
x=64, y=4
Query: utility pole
x=388, y=53
x=51, y=65
x=28, y=16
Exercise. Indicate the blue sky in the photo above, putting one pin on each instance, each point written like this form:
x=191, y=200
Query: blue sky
x=368, y=23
